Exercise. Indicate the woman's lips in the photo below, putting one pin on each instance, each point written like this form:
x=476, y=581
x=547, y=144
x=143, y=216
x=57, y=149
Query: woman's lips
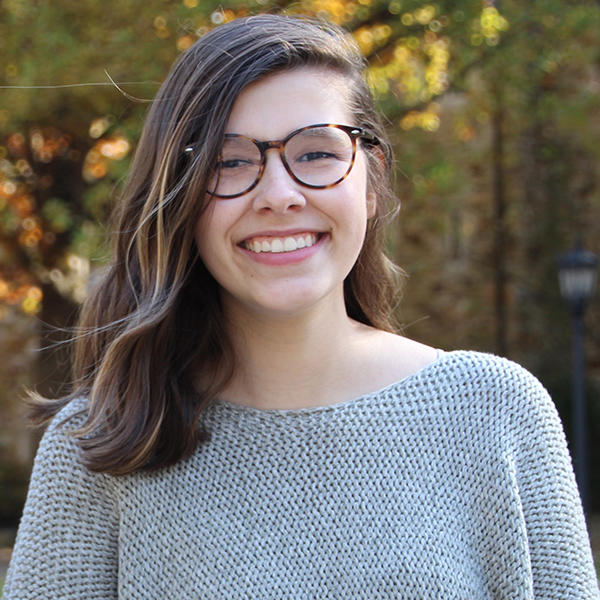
x=280, y=244
x=281, y=250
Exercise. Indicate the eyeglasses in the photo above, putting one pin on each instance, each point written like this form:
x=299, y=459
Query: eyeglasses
x=316, y=156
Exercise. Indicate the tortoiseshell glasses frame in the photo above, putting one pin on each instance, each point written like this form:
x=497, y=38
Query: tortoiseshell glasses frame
x=353, y=134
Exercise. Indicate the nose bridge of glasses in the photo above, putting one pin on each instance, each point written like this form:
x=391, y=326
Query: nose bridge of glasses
x=278, y=190
x=278, y=145
x=268, y=145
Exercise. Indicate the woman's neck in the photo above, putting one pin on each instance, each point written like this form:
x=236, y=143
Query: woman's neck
x=317, y=358
x=290, y=362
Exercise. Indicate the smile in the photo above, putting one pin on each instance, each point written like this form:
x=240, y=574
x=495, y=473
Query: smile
x=280, y=244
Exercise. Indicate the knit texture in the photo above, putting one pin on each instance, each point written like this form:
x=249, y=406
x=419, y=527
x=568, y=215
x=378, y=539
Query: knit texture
x=454, y=483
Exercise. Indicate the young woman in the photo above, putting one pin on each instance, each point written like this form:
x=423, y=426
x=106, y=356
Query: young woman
x=244, y=421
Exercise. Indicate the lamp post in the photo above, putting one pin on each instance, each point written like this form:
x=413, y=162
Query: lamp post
x=577, y=272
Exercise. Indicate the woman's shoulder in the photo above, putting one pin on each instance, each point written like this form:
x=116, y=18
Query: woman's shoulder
x=68, y=419
x=400, y=358
x=479, y=362
x=491, y=384
x=487, y=371
x=58, y=446
x=458, y=376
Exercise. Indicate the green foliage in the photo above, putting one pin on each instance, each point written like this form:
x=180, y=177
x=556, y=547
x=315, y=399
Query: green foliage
x=57, y=214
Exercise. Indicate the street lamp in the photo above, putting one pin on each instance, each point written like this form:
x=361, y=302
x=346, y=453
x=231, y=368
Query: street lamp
x=577, y=272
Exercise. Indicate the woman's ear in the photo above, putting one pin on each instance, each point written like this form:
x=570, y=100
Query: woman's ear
x=371, y=204
x=380, y=156
x=377, y=165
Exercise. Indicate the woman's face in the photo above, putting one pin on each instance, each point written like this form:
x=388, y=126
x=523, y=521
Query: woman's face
x=281, y=248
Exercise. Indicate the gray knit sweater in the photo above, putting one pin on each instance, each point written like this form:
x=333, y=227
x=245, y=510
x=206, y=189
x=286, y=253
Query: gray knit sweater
x=454, y=483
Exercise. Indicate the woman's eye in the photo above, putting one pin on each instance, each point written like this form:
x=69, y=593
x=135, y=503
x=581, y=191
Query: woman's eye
x=234, y=163
x=317, y=155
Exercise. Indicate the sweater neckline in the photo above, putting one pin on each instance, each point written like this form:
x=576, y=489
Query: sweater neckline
x=390, y=388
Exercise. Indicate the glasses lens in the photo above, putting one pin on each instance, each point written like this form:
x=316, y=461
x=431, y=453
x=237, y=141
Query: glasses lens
x=319, y=156
x=238, y=167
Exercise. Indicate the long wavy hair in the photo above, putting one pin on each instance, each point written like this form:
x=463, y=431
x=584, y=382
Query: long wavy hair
x=154, y=320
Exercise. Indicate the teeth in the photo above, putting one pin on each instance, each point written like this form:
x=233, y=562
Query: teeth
x=277, y=245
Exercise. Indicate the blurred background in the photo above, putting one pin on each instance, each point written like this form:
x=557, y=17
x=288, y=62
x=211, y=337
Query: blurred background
x=494, y=111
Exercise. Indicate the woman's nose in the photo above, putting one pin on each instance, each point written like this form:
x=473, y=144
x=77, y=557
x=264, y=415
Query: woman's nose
x=276, y=190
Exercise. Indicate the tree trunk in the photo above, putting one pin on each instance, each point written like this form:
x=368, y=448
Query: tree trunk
x=53, y=369
x=53, y=365
x=500, y=235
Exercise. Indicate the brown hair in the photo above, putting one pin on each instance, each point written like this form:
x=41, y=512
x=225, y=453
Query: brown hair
x=154, y=320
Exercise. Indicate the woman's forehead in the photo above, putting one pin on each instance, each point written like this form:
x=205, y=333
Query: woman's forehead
x=287, y=100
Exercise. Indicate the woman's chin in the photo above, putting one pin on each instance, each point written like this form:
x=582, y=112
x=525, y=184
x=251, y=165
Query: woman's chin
x=282, y=302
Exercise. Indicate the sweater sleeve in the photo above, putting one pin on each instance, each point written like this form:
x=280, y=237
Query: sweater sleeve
x=560, y=554
x=66, y=544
